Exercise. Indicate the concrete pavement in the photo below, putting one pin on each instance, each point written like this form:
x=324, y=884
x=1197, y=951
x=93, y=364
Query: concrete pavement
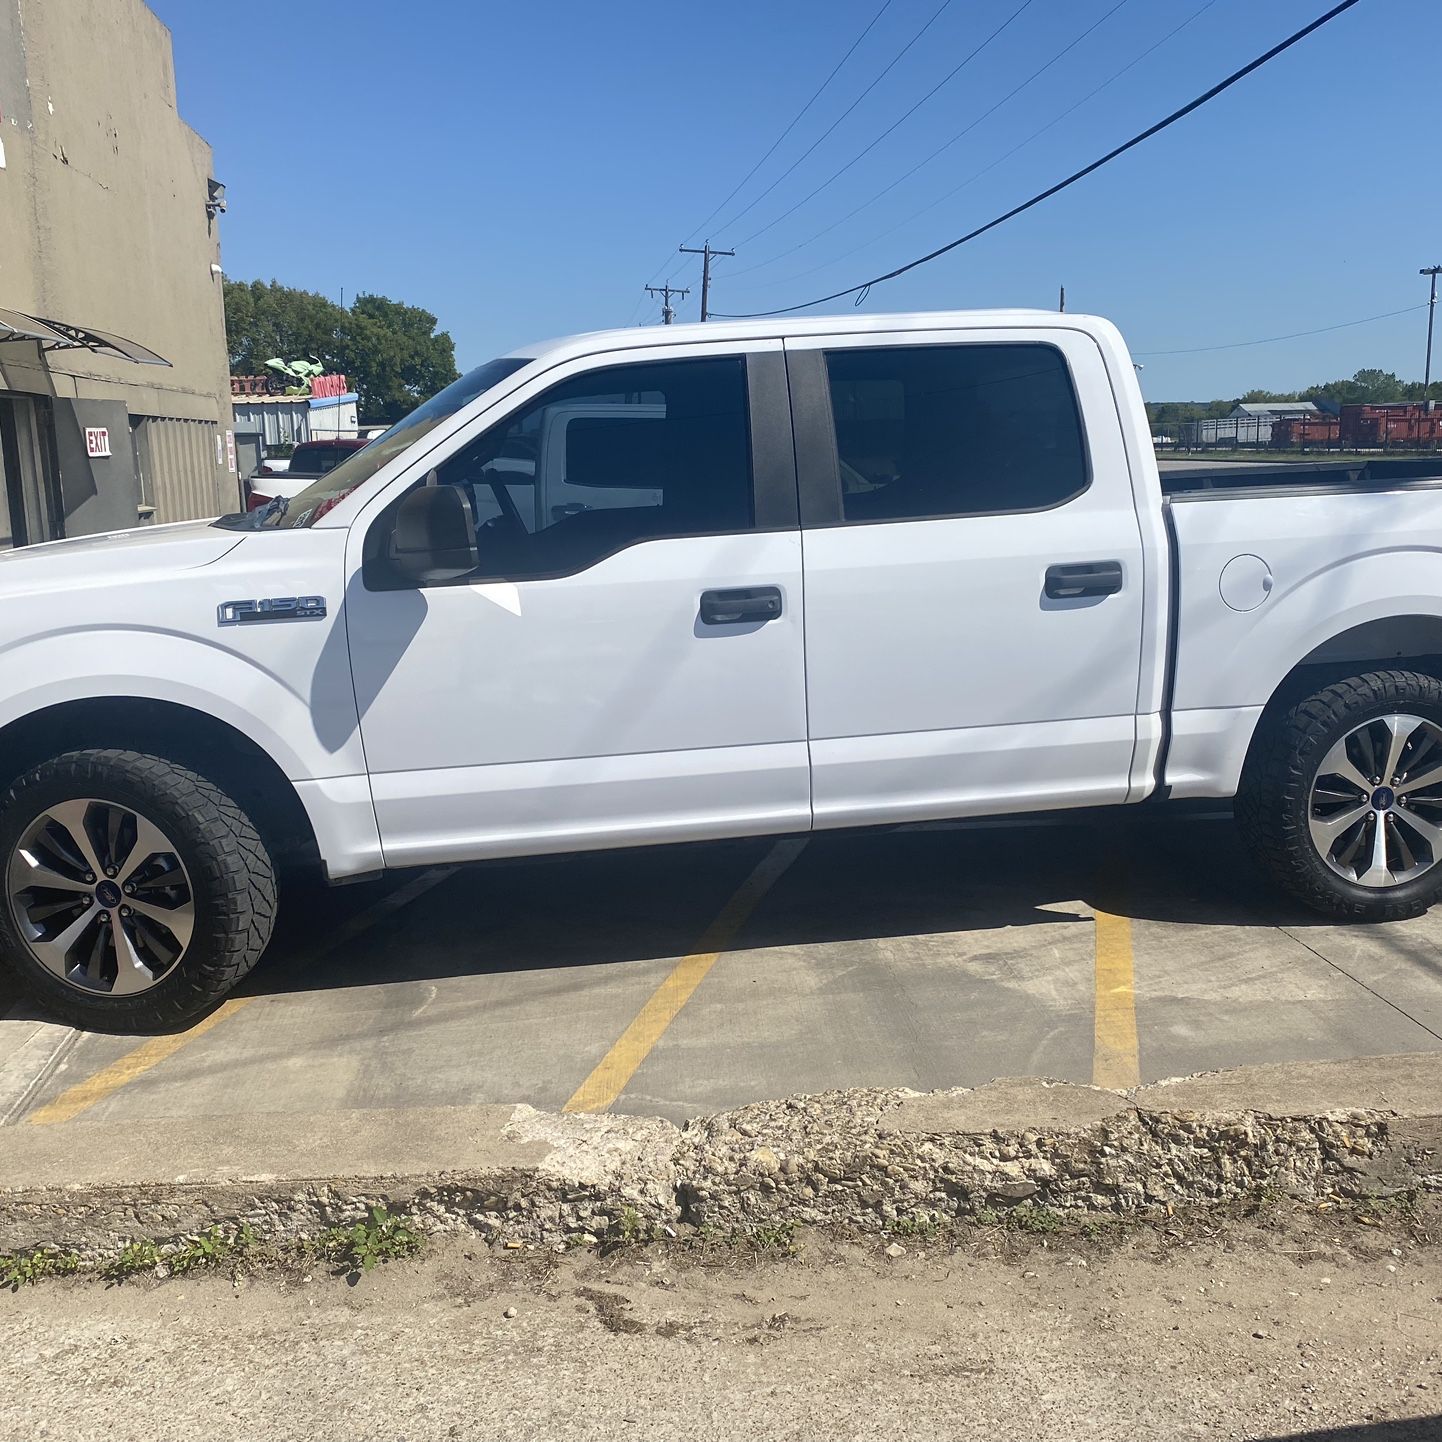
x=924, y=958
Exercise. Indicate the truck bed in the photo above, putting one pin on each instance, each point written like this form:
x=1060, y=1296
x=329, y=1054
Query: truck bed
x=1356, y=473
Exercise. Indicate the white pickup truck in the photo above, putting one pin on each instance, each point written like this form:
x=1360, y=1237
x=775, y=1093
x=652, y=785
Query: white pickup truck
x=777, y=577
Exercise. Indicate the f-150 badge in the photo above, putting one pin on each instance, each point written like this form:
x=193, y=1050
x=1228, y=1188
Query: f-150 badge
x=273, y=608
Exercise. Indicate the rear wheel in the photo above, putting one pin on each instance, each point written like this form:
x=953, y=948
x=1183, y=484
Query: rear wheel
x=136, y=892
x=1341, y=798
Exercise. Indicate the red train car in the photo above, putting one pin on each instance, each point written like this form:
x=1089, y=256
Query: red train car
x=1306, y=431
x=1390, y=425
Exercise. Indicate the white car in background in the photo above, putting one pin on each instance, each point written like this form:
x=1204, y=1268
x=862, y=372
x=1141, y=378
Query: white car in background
x=306, y=463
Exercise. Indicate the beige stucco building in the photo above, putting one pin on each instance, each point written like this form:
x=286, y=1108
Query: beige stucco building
x=108, y=223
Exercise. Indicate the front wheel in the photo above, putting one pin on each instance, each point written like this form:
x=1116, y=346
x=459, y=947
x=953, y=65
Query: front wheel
x=136, y=892
x=1341, y=797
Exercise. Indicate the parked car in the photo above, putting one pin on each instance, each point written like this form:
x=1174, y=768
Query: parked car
x=307, y=462
x=744, y=578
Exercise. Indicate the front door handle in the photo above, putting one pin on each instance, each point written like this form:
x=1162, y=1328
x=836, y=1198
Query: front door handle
x=752, y=603
x=1091, y=578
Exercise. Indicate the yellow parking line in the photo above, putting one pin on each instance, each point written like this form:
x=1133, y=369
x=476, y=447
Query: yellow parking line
x=1114, y=1043
x=619, y=1065
x=104, y=1083
x=83, y=1095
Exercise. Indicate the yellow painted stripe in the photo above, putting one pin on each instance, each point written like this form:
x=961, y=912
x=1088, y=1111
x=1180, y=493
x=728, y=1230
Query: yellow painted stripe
x=1114, y=1044
x=619, y=1065
x=84, y=1095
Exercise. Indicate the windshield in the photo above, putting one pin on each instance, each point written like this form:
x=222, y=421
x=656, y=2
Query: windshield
x=306, y=508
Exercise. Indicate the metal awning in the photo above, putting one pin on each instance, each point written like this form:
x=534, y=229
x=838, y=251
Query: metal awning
x=16, y=326
x=59, y=335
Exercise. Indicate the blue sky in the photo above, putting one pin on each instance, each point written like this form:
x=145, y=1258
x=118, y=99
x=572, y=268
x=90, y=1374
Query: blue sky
x=523, y=169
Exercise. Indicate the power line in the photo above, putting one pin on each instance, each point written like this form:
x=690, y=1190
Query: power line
x=861, y=154
x=796, y=119
x=935, y=16
x=1295, y=335
x=656, y=274
x=707, y=254
x=956, y=189
x=644, y=297
x=1176, y=115
x=668, y=311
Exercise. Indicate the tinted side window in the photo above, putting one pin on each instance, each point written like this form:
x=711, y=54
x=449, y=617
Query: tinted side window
x=932, y=430
x=608, y=459
x=317, y=460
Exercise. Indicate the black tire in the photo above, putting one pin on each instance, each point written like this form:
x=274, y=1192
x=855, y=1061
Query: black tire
x=232, y=882
x=1274, y=801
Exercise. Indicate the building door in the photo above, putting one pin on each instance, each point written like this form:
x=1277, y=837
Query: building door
x=24, y=514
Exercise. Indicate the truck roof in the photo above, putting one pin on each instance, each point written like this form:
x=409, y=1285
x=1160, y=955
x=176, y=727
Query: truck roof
x=781, y=326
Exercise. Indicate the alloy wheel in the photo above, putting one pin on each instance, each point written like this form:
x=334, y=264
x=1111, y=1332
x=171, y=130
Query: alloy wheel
x=101, y=897
x=1375, y=809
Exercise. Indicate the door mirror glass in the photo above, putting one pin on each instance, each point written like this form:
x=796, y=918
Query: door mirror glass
x=434, y=537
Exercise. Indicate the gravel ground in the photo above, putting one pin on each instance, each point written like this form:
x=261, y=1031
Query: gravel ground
x=1288, y=1323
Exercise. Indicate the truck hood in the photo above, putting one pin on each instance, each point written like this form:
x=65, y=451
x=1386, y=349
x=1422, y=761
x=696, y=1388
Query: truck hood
x=117, y=555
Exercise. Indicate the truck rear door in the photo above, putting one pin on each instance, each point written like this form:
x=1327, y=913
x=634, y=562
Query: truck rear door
x=973, y=572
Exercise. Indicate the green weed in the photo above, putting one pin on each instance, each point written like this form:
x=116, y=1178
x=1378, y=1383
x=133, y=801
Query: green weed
x=210, y=1248
x=24, y=1269
x=924, y=1228
x=131, y=1260
x=382, y=1237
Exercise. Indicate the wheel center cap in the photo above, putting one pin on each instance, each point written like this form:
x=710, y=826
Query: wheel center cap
x=1384, y=798
x=108, y=894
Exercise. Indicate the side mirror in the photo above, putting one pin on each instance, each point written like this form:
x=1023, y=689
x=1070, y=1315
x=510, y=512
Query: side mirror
x=434, y=537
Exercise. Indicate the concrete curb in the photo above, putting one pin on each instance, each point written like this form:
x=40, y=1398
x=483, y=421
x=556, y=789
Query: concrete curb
x=857, y=1158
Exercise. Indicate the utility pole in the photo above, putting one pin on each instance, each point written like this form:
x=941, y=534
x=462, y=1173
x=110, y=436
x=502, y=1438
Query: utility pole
x=668, y=311
x=1433, y=271
x=706, y=253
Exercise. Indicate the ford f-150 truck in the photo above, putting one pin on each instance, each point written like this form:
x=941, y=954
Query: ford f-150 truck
x=710, y=581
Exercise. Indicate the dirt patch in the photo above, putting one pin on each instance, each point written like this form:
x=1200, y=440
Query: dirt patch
x=1281, y=1321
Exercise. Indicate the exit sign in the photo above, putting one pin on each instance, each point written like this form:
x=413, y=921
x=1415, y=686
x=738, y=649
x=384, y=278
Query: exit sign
x=97, y=441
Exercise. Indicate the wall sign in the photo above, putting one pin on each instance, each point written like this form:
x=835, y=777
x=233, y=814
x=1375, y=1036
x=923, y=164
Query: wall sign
x=97, y=441
x=230, y=451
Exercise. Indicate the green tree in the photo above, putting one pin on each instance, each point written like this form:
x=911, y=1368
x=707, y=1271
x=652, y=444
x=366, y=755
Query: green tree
x=1268, y=397
x=391, y=352
x=1367, y=387
x=395, y=356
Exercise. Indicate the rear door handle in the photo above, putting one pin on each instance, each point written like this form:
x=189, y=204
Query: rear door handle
x=752, y=603
x=1091, y=578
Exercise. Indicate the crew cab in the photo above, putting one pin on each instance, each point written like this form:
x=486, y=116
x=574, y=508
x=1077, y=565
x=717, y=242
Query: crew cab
x=734, y=579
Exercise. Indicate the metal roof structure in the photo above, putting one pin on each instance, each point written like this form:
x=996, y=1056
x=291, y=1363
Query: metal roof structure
x=60, y=335
x=1274, y=409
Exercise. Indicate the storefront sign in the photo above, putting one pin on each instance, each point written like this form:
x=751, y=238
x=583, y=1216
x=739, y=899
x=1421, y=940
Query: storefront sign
x=97, y=441
x=230, y=451
x=327, y=387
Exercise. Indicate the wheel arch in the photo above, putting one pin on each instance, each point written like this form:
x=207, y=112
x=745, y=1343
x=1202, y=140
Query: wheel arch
x=1411, y=641
x=190, y=737
x=1405, y=642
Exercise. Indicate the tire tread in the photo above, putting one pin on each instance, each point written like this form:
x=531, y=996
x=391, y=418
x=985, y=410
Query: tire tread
x=231, y=869
x=1274, y=798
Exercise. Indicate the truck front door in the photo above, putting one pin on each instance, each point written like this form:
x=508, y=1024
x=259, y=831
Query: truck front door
x=625, y=665
x=973, y=574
